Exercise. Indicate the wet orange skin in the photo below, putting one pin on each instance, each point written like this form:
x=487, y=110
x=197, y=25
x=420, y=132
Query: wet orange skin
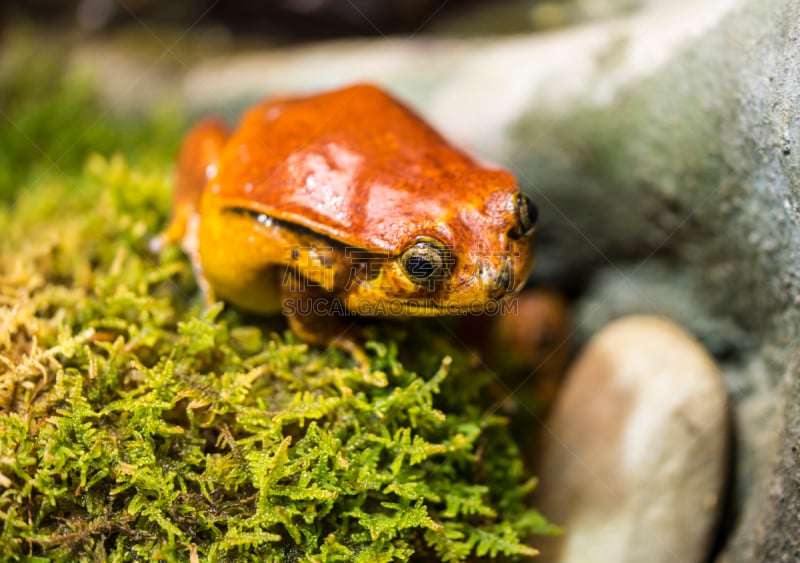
x=310, y=205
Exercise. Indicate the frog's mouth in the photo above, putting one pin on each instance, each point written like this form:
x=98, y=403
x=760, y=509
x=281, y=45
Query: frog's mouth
x=501, y=287
x=428, y=308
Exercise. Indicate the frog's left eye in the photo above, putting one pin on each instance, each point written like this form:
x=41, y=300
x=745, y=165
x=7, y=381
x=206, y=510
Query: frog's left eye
x=425, y=261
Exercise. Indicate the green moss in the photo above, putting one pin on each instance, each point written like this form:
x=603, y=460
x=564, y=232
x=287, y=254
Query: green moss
x=136, y=426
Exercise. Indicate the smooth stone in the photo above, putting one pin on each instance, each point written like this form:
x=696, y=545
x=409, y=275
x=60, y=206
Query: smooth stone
x=633, y=455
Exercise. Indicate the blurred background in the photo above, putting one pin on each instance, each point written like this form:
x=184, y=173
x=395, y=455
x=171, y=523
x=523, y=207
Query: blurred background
x=293, y=20
x=78, y=76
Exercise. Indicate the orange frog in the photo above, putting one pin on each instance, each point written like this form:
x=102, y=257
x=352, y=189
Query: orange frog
x=346, y=203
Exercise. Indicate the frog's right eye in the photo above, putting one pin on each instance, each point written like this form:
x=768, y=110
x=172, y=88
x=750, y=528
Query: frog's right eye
x=527, y=215
x=425, y=261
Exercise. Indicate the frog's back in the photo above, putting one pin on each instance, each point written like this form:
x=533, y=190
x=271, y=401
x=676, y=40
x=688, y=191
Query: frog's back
x=354, y=165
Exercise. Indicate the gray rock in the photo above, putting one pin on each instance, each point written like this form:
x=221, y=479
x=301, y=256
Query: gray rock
x=634, y=451
x=655, y=288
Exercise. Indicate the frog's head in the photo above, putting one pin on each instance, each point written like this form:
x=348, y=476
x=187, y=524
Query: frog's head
x=453, y=255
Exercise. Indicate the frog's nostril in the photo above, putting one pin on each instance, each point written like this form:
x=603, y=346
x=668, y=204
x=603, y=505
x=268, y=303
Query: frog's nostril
x=503, y=282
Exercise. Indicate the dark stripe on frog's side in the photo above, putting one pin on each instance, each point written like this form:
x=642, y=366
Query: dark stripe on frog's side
x=357, y=258
x=299, y=230
x=345, y=264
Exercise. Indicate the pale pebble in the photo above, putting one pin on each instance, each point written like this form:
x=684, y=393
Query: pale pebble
x=633, y=454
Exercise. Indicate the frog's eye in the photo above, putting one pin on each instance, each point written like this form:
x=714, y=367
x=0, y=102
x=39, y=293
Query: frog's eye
x=425, y=261
x=527, y=215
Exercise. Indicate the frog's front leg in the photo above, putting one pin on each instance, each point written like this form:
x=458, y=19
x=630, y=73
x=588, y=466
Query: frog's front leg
x=197, y=166
x=317, y=316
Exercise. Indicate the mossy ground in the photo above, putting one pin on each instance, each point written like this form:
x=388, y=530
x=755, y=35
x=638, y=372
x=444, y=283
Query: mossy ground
x=136, y=426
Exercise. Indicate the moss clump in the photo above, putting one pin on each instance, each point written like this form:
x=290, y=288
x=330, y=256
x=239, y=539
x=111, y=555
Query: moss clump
x=135, y=426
